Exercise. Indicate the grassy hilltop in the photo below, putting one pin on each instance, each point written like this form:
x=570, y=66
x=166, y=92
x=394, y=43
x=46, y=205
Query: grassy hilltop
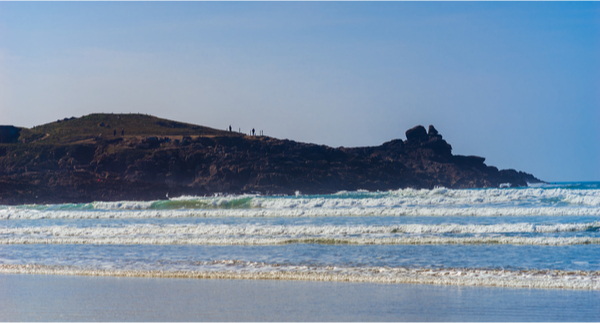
x=103, y=125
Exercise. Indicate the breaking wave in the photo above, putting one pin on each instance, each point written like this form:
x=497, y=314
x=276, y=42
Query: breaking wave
x=235, y=269
x=252, y=241
x=406, y=202
x=33, y=214
x=283, y=232
x=208, y=234
x=238, y=230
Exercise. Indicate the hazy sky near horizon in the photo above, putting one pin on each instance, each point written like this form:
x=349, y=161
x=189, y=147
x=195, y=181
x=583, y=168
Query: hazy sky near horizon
x=515, y=82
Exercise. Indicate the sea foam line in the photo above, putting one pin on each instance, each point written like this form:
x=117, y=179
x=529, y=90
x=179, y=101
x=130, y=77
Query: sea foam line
x=252, y=241
x=28, y=214
x=397, y=198
x=439, y=197
x=255, y=271
x=297, y=230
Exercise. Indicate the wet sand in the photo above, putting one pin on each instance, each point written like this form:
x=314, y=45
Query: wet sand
x=81, y=298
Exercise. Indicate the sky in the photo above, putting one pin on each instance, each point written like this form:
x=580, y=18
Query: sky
x=515, y=82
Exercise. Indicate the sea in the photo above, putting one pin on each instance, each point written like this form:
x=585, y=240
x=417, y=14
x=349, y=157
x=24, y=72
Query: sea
x=543, y=237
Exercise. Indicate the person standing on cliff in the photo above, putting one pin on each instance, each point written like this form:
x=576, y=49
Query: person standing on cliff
x=253, y=131
x=229, y=128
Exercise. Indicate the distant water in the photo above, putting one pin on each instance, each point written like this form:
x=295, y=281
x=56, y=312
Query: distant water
x=547, y=236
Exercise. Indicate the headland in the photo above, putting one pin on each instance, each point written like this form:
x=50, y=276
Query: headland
x=113, y=157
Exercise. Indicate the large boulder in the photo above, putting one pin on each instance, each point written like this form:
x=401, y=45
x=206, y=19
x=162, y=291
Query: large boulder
x=417, y=133
x=432, y=131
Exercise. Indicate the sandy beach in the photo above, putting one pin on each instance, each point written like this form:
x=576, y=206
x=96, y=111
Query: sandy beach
x=77, y=298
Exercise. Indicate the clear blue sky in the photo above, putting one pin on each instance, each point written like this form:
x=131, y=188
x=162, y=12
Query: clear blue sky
x=517, y=83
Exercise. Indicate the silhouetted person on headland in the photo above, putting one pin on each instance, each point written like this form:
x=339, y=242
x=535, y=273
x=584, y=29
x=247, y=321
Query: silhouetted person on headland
x=253, y=131
x=229, y=128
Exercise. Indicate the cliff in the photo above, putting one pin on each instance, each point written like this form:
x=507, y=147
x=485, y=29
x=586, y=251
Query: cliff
x=110, y=157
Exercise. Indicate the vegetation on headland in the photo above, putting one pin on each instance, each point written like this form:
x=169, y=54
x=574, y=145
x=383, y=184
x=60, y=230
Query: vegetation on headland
x=102, y=125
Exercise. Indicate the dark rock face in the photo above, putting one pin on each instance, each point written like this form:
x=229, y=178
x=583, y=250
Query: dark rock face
x=417, y=138
x=9, y=134
x=432, y=131
x=147, y=169
x=473, y=161
x=417, y=133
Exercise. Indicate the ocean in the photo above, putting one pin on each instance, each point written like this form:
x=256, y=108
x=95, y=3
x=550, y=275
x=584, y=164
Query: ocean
x=543, y=238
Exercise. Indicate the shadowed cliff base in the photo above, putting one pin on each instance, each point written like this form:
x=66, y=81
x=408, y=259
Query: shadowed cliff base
x=111, y=157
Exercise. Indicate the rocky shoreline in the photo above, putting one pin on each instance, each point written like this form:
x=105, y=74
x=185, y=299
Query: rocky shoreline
x=154, y=167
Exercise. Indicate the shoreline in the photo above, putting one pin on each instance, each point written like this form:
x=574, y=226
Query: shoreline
x=538, y=279
x=77, y=298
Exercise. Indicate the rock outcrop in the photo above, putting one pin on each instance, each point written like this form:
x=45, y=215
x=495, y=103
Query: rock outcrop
x=9, y=134
x=132, y=168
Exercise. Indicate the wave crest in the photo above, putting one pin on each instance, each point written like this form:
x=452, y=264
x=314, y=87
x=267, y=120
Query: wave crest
x=235, y=269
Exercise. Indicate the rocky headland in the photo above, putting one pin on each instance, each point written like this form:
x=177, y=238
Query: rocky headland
x=112, y=157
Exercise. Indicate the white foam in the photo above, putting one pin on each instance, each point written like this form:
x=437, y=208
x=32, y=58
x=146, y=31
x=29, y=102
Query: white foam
x=253, y=241
x=207, y=234
x=218, y=199
x=405, y=202
x=316, y=211
x=294, y=230
x=122, y=205
x=538, y=185
x=233, y=269
x=405, y=197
